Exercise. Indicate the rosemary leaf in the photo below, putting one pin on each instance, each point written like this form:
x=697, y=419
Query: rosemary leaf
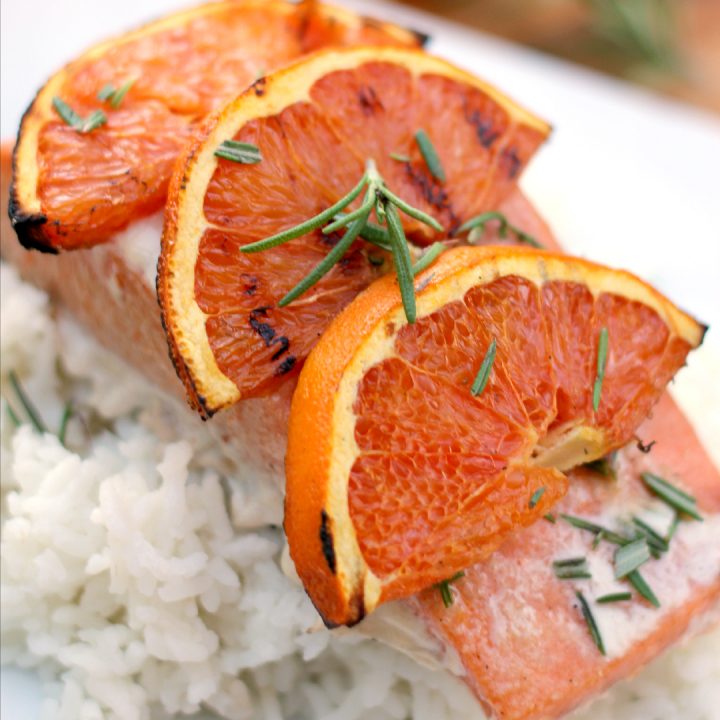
x=346, y=218
x=601, y=365
x=29, y=408
x=70, y=117
x=483, y=375
x=614, y=597
x=672, y=496
x=12, y=414
x=239, y=152
x=432, y=159
x=535, y=499
x=630, y=557
x=444, y=588
x=653, y=538
x=410, y=210
x=638, y=582
x=573, y=573
x=106, y=92
x=428, y=257
x=307, y=226
x=328, y=261
x=64, y=420
x=583, y=524
x=119, y=95
x=401, y=255
x=590, y=620
x=400, y=157
x=92, y=121
x=570, y=562
x=550, y=518
x=479, y=222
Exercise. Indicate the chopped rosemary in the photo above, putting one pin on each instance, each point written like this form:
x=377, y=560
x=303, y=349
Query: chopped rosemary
x=535, y=499
x=614, y=597
x=399, y=157
x=550, y=518
x=444, y=588
x=74, y=120
x=601, y=365
x=653, y=537
x=239, y=152
x=638, y=582
x=672, y=496
x=12, y=415
x=572, y=569
x=430, y=156
x=598, y=539
x=481, y=379
x=428, y=257
x=590, y=620
x=608, y=535
x=386, y=204
x=673, y=528
x=113, y=96
x=630, y=557
x=477, y=225
x=67, y=414
x=29, y=408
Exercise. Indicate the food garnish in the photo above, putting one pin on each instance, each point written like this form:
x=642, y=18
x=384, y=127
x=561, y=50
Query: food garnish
x=613, y=598
x=572, y=569
x=639, y=583
x=476, y=226
x=30, y=409
x=430, y=155
x=535, y=499
x=671, y=495
x=483, y=374
x=83, y=125
x=239, y=152
x=590, y=620
x=444, y=587
x=601, y=365
x=630, y=557
x=113, y=96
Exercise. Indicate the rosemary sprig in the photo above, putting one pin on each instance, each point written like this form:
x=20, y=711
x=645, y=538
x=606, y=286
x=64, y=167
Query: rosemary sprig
x=28, y=406
x=428, y=257
x=535, y=499
x=74, y=120
x=614, y=597
x=476, y=226
x=430, y=156
x=483, y=375
x=601, y=365
x=386, y=204
x=590, y=620
x=239, y=152
x=671, y=495
x=444, y=588
x=630, y=557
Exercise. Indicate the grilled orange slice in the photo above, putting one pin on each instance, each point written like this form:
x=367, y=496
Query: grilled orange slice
x=316, y=123
x=75, y=187
x=402, y=469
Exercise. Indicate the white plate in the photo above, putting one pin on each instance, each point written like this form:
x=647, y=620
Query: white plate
x=627, y=178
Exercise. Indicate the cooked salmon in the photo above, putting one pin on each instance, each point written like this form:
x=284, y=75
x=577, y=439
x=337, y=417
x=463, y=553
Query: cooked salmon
x=518, y=631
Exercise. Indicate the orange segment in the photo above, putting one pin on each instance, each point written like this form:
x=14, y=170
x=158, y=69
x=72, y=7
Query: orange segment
x=75, y=189
x=398, y=476
x=316, y=124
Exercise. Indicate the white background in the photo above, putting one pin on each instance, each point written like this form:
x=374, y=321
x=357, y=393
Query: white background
x=627, y=178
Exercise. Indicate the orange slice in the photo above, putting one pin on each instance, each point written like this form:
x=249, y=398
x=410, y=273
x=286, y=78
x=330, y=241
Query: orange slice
x=74, y=189
x=316, y=123
x=399, y=476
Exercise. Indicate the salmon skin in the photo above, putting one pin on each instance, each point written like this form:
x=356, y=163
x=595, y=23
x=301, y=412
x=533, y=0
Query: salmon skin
x=517, y=630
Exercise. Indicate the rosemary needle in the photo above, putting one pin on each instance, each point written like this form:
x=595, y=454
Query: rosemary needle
x=535, y=499
x=671, y=495
x=430, y=156
x=67, y=414
x=30, y=409
x=601, y=365
x=401, y=255
x=590, y=621
x=428, y=257
x=239, y=152
x=483, y=374
x=479, y=222
x=614, y=597
x=444, y=588
x=76, y=121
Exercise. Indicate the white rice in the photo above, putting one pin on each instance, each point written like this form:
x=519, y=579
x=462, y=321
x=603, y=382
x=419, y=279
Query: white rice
x=142, y=579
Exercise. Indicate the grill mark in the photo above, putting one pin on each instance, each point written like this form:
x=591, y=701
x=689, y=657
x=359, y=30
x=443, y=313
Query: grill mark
x=270, y=337
x=369, y=101
x=511, y=162
x=326, y=540
x=286, y=365
x=434, y=194
x=484, y=130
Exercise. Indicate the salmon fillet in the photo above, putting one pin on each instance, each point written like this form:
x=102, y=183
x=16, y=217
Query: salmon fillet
x=516, y=629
